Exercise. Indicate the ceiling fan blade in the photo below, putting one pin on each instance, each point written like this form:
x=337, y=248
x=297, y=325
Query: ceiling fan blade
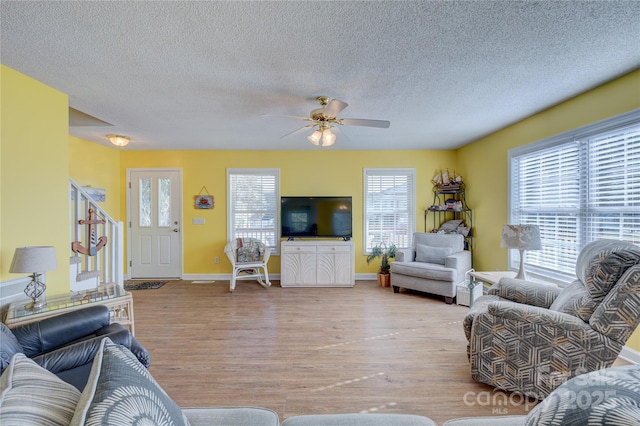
x=301, y=129
x=334, y=108
x=363, y=122
x=295, y=117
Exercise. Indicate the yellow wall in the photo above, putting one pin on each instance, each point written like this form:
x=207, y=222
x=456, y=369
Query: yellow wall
x=98, y=166
x=483, y=164
x=313, y=172
x=34, y=173
x=37, y=157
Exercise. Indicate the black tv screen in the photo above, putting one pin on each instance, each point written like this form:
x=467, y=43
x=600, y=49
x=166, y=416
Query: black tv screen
x=316, y=217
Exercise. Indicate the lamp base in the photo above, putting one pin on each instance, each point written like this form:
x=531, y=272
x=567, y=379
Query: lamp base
x=521, y=275
x=35, y=290
x=34, y=305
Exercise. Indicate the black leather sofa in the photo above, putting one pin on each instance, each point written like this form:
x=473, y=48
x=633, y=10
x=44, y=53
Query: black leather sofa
x=66, y=344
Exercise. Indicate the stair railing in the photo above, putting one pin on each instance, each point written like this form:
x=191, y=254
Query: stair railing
x=107, y=263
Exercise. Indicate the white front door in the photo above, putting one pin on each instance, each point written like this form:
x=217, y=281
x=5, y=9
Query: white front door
x=155, y=223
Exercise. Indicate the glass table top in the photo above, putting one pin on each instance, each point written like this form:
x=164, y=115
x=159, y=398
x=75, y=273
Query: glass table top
x=62, y=301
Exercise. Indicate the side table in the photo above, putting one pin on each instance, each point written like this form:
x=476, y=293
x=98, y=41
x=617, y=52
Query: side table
x=491, y=277
x=119, y=302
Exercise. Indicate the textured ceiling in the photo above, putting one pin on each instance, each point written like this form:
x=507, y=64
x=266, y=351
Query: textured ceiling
x=202, y=74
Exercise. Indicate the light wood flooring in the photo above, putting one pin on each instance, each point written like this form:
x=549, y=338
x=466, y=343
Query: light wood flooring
x=313, y=351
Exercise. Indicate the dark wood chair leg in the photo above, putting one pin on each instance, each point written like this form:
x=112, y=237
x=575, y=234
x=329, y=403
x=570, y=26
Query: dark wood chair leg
x=396, y=289
x=448, y=300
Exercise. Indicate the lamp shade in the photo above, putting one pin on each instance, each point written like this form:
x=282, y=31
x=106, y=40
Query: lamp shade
x=34, y=259
x=521, y=237
x=328, y=138
x=314, y=138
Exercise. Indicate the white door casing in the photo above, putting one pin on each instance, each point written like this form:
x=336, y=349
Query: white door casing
x=155, y=223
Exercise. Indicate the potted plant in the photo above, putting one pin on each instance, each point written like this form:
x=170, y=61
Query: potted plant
x=384, y=252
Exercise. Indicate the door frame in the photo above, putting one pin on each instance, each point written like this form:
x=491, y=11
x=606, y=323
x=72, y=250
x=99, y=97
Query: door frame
x=128, y=209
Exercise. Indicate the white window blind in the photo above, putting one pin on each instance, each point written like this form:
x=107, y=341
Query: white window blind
x=253, y=197
x=577, y=187
x=389, y=204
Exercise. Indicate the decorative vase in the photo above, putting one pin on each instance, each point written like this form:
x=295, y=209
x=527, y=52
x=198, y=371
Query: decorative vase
x=384, y=280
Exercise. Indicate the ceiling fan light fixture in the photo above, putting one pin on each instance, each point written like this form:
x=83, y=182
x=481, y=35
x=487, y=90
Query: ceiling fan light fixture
x=314, y=137
x=119, y=140
x=328, y=138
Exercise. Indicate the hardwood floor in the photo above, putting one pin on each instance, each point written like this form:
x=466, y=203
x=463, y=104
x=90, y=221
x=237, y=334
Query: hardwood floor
x=313, y=351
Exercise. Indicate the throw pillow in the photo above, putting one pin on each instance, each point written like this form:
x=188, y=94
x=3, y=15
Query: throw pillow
x=9, y=346
x=121, y=391
x=248, y=251
x=32, y=395
x=604, y=397
x=450, y=226
x=463, y=230
x=430, y=254
x=575, y=300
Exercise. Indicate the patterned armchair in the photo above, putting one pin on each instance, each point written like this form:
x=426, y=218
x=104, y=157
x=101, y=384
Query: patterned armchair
x=530, y=338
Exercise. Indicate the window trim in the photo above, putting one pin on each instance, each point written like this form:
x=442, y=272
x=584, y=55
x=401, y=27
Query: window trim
x=410, y=172
x=275, y=172
x=585, y=132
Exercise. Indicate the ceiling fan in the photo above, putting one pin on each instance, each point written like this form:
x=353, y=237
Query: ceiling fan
x=326, y=118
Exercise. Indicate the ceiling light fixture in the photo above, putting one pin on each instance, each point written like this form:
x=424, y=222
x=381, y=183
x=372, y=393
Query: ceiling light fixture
x=328, y=138
x=314, y=138
x=118, y=140
x=322, y=134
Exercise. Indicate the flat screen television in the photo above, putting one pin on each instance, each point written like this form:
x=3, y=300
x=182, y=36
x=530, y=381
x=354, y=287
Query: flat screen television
x=317, y=217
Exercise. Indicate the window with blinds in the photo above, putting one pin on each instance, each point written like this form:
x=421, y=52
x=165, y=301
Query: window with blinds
x=577, y=187
x=253, y=197
x=389, y=207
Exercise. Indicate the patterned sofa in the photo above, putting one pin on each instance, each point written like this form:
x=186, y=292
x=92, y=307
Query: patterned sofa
x=530, y=337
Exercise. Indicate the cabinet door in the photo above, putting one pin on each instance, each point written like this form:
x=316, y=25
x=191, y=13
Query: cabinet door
x=298, y=268
x=334, y=265
x=344, y=268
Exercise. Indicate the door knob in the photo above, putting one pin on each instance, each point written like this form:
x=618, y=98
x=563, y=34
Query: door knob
x=176, y=230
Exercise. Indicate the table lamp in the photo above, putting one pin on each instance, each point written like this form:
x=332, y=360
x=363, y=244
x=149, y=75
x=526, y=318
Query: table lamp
x=522, y=238
x=35, y=260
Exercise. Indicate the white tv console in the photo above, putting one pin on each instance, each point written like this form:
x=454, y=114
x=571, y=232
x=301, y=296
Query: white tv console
x=317, y=263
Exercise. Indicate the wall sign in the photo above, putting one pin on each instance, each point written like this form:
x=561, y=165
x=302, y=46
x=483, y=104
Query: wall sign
x=203, y=201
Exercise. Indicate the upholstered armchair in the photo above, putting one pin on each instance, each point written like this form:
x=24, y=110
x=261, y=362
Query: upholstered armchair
x=436, y=264
x=530, y=337
x=67, y=343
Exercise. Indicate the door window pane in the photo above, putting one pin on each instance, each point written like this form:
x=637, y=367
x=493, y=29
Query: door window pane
x=144, y=215
x=164, y=202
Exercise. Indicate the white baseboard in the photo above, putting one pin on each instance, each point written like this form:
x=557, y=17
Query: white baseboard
x=630, y=355
x=195, y=277
x=203, y=277
x=214, y=277
x=368, y=276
